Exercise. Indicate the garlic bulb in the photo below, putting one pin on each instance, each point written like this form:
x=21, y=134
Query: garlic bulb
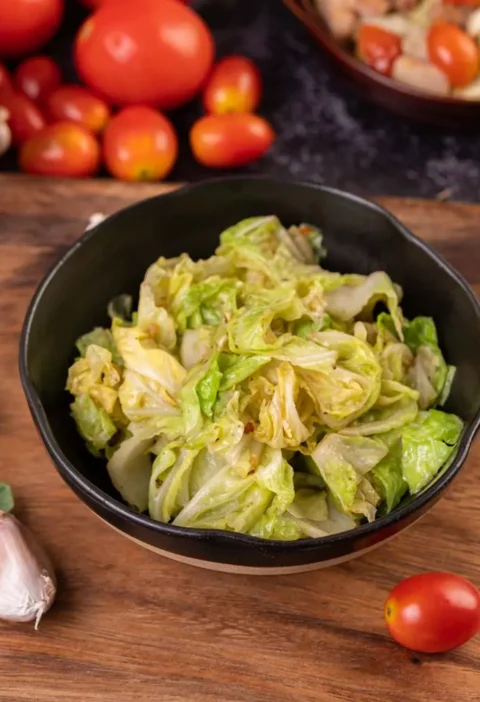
x=27, y=580
x=5, y=133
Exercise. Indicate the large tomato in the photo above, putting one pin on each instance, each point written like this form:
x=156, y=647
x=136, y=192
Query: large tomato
x=226, y=141
x=139, y=144
x=433, y=612
x=150, y=52
x=62, y=149
x=26, y=25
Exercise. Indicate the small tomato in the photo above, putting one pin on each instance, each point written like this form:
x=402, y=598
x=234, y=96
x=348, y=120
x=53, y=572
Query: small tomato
x=73, y=103
x=433, y=612
x=63, y=149
x=139, y=143
x=226, y=141
x=454, y=52
x=378, y=48
x=235, y=85
x=5, y=80
x=38, y=77
x=25, y=118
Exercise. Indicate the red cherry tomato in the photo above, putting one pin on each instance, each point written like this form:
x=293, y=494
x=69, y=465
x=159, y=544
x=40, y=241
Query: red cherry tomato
x=235, y=85
x=38, y=77
x=378, y=47
x=148, y=52
x=63, y=149
x=454, y=52
x=93, y=4
x=25, y=119
x=433, y=612
x=5, y=81
x=73, y=103
x=26, y=25
x=226, y=141
x=139, y=143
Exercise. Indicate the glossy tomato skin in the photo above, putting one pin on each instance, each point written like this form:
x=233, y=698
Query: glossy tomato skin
x=63, y=149
x=378, y=47
x=74, y=103
x=454, y=52
x=38, y=77
x=226, y=141
x=235, y=85
x=6, y=85
x=139, y=143
x=433, y=612
x=26, y=25
x=25, y=119
x=144, y=52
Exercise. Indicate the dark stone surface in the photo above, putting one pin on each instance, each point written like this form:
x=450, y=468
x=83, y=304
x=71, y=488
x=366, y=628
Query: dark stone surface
x=325, y=132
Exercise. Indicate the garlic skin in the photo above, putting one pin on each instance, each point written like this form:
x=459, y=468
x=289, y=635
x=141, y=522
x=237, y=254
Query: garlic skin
x=27, y=579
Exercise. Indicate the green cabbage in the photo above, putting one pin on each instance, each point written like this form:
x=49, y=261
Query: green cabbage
x=256, y=392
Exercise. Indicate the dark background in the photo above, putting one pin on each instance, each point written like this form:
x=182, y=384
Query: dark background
x=325, y=132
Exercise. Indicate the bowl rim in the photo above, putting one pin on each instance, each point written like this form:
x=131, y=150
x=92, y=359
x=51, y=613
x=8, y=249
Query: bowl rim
x=316, y=24
x=82, y=486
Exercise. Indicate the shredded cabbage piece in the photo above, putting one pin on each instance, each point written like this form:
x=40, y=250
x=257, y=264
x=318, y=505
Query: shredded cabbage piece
x=258, y=392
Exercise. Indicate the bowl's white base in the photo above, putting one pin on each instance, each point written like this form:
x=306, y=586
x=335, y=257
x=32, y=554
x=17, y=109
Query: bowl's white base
x=249, y=570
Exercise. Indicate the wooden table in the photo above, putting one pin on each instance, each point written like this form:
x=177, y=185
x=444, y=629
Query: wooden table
x=129, y=626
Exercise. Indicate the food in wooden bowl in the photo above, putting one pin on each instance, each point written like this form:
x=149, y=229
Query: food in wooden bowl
x=431, y=45
x=419, y=58
x=254, y=399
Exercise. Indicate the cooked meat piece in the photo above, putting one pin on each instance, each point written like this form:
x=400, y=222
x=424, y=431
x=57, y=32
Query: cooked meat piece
x=414, y=43
x=420, y=74
x=339, y=16
x=403, y=5
x=371, y=8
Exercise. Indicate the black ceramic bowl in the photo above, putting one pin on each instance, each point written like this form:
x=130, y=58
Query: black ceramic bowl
x=112, y=258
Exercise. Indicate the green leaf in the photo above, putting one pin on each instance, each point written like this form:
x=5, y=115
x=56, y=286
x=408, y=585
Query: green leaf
x=207, y=388
x=6, y=498
x=387, y=478
x=427, y=444
x=93, y=423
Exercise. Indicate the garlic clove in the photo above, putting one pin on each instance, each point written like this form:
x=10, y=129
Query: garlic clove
x=27, y=579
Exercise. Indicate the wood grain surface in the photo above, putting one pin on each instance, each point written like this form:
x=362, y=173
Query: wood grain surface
x=131, y=626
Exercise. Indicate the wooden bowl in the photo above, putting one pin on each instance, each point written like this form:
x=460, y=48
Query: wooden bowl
x=402, y=99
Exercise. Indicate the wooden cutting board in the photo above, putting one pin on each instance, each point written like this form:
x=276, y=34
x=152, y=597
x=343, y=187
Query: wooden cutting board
x=131, y=626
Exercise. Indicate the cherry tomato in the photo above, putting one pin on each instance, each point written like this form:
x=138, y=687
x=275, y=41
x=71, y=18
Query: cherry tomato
x=378, y=47
x=72, y=103
x=5, y=80
x=139, y=144
x=454, y=52
x=26, y=25
x=38, y=77
x=148, y=52
x=225, y=141
x=63, y=149
x=235, y=85
x=93, y=4
x=25, y=119
x=433, y=612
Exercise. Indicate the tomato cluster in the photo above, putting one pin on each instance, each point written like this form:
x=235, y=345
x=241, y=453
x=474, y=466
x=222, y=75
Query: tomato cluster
x=135, y=60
